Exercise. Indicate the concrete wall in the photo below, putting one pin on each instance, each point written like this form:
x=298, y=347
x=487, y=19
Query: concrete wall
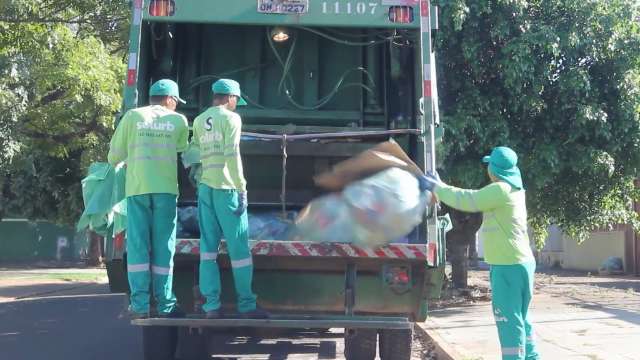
x=563, y=251
x=594, y=251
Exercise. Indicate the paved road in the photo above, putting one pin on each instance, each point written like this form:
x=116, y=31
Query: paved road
x=81, y=323
x=85, y=322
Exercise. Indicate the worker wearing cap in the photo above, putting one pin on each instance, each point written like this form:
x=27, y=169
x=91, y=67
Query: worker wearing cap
x=222, y=200
x=148, y=139
x=506, y=246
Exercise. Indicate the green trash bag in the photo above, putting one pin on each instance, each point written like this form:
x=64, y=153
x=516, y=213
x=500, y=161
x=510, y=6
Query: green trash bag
x=103, y=193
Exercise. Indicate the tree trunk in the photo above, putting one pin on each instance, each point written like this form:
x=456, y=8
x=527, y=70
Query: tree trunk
x=473, y=253
x=459, y=238
x=459, y=265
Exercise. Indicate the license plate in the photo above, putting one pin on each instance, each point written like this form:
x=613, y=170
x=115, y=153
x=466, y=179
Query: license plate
x=283, y=6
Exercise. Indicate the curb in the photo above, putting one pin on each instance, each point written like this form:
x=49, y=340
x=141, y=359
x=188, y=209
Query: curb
x=443, y=349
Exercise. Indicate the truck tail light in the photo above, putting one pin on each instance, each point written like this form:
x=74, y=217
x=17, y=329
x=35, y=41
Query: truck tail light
x=162, y=8
x=118, y=241
x=398, y=278
x=401, y=14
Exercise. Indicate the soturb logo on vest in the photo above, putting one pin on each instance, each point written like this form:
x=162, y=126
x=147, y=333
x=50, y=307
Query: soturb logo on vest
x=208, y=124
x=167, y=126
x=211, y=137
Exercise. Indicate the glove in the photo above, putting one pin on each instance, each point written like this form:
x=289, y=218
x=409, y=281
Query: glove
x=435, y=175
x=242, y=203
x=195, y=174
x=429, y=181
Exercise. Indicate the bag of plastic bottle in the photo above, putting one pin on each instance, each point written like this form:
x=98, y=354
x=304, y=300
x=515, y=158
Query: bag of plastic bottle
x=371, y=212
x=389, y=205
x=325, y=219
x=270, y=225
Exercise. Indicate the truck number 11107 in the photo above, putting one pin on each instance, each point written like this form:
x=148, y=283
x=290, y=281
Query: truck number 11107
x=349, y=8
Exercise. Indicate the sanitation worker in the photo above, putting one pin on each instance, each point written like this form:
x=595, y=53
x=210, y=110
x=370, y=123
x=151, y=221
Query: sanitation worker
x=222, y=201
x=506, y=246
x=148, y=139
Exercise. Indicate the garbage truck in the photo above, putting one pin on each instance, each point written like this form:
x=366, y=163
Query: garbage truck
x=325, y=80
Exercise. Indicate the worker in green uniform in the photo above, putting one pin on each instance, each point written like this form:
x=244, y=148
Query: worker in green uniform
x=222, y=201
x=148, y=139
x=506, y=246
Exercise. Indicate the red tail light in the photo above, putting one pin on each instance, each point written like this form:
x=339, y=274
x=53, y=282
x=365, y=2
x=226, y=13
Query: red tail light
x=118, y=241
x=162, y=8
x=397, y=278
x=402, y=277
x=401, y=14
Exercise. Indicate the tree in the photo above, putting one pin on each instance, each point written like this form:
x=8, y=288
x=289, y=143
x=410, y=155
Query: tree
x=60, y=79
x=459, y=241
x=559, y=82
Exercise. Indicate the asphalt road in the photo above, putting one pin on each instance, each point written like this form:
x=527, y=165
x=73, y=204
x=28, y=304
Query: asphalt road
x=86, y=323
x=81, y=323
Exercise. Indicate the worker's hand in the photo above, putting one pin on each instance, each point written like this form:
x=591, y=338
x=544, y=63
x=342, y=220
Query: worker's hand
x=429, y=181
x=242, y=203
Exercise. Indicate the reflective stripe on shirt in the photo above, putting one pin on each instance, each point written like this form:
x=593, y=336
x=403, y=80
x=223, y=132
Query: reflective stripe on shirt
x=154, y=146
x=154, y=158
x=213, y=166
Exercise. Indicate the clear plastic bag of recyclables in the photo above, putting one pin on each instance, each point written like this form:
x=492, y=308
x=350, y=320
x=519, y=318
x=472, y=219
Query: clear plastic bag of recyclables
x=371, y=212
x=262, y=225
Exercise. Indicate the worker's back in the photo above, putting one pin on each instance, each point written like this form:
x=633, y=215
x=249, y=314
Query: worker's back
x=147, y=139
x=217, y=132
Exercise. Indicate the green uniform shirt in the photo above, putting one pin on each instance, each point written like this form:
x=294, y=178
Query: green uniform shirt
x=148, y=139
x=504, y=222
x=216, y=134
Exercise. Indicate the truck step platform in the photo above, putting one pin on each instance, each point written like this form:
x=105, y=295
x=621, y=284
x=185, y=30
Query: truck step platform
x=285, y=321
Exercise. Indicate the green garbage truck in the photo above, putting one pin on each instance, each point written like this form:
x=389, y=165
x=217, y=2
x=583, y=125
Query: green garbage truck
x=325, y=80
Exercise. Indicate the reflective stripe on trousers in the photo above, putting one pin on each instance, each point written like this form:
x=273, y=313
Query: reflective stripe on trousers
x=137, y=267
x=242, y=263
x=161, y=270
x=208, y=256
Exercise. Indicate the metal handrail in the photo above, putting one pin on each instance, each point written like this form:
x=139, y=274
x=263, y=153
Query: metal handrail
x=334, y=135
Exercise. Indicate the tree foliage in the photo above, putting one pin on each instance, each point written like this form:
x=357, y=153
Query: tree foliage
x=60, y=78
x=559, y=82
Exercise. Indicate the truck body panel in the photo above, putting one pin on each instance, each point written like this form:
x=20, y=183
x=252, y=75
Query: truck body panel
x=346, y=68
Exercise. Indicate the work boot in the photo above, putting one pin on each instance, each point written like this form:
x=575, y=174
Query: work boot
x=176, y=313
x=257, y=313
x=213, y=314
x=137, y=316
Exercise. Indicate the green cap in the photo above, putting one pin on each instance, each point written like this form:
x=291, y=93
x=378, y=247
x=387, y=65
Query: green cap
x=228, y=87
x=503, y=163
x=166, y=87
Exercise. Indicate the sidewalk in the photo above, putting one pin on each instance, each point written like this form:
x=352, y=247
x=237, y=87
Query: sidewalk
x=575, y=317
x=18, y=284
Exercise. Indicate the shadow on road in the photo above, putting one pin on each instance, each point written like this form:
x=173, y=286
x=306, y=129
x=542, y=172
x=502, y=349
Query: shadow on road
x=86, y=323
x=40, y=289
x=80, y=323
x=278, y=345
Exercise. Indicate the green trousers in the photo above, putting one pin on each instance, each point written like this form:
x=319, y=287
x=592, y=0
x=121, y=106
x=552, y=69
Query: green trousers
x=217, y=220
x=512, y=289
x=151, y=244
